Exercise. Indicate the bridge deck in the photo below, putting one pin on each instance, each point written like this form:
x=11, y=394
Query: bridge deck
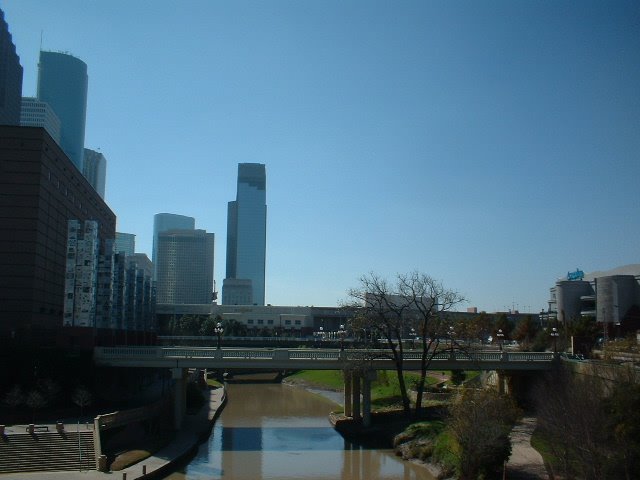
x=313, y=359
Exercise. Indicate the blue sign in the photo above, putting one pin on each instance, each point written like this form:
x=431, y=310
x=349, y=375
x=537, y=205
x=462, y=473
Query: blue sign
x=577, y=275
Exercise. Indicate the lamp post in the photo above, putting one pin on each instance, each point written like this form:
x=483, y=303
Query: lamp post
x=218, y=331
x=413, y=337
x=341, y=333
x=500, y=336
x=451, y=334
x=555, y=335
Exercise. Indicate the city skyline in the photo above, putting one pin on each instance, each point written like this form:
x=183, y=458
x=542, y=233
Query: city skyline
x=492, y=146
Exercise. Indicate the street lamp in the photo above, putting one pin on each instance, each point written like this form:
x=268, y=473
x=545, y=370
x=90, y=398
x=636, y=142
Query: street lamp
x=451, y=334
x=218, y=331
x=554, y=334
x=341, y=333
x=500, y=336
x=413, y=336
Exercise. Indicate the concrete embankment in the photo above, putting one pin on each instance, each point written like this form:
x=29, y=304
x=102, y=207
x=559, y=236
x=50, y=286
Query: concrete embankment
x=196, y=428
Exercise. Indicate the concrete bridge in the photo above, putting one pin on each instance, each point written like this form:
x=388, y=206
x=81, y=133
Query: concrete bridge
x=313, y=359
x=359, y=366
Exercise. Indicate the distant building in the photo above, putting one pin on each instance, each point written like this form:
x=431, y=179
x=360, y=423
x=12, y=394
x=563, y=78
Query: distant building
x=10, y=77
x=140, y=294
x=41, y=191
x=247, y=233
x=237, y=291
x=81, y=274
x=62, y=83
x=611, y=297
x=168, y=221
x=94, y=169
x=36, y=113
x=184, y=267
x=125, y=243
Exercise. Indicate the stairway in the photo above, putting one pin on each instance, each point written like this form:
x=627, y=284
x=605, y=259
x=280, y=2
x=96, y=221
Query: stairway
x=46, y=452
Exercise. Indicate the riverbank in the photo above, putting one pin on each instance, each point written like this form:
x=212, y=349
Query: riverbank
x=524, y=463
x=195, y=429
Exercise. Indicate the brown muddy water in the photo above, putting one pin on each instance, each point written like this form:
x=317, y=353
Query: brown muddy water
x=275, y=431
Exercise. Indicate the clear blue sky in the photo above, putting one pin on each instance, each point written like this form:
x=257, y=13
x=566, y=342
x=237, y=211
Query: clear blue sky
x=494, y=145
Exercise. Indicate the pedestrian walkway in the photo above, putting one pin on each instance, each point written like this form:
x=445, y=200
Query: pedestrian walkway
x=525, y=462
x=194, y=426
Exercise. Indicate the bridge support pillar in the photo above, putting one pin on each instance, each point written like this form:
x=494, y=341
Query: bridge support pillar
x=367, y=378
x=179, y=376
x=356, y=396
x=348, y=393
x=505, y=383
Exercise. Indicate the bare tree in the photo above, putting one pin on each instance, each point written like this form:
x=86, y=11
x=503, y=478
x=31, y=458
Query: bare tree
x=82, y=398
x=35, y=401
x=14, y=397
x=480, y=424
x=429, y=301
x=414, y=303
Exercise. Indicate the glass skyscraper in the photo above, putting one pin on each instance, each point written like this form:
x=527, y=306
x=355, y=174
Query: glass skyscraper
x=247, y=232
x=62, y=83
x=94, y=169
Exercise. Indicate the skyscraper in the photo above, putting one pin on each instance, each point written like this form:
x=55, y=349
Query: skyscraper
x=62, y=83
x=168, y=221
x=94, y=169
x=247, y=233
x=10, y=77
x=35, y=113
x=185, y=267
x=125, y=243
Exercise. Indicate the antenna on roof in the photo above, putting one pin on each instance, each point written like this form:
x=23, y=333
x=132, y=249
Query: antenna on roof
x=41, y=33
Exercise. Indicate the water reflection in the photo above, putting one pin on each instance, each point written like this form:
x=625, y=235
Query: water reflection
x=280, y=432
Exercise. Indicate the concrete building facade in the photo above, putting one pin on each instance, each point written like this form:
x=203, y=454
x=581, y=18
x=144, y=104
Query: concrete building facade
x=41, y=191
x=184, y=267
x=168, y=221
x=611, y=297
x=36, y=113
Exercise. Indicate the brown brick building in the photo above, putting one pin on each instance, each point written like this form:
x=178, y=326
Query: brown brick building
x=40, y=190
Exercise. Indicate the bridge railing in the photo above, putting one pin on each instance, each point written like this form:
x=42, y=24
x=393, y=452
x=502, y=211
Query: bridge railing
x=316, y=355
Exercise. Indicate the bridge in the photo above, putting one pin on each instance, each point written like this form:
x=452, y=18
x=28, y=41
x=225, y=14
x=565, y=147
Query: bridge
x=360, y=366
x=314, y=359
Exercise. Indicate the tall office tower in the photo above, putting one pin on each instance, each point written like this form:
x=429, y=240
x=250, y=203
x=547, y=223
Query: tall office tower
x=41, y=191
x=35, y=113
x=168, y=221
x=184, y=267
x=125, y=243
x=247, y=235
x=62, y=83
x=10, y=77
x=94, y=169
